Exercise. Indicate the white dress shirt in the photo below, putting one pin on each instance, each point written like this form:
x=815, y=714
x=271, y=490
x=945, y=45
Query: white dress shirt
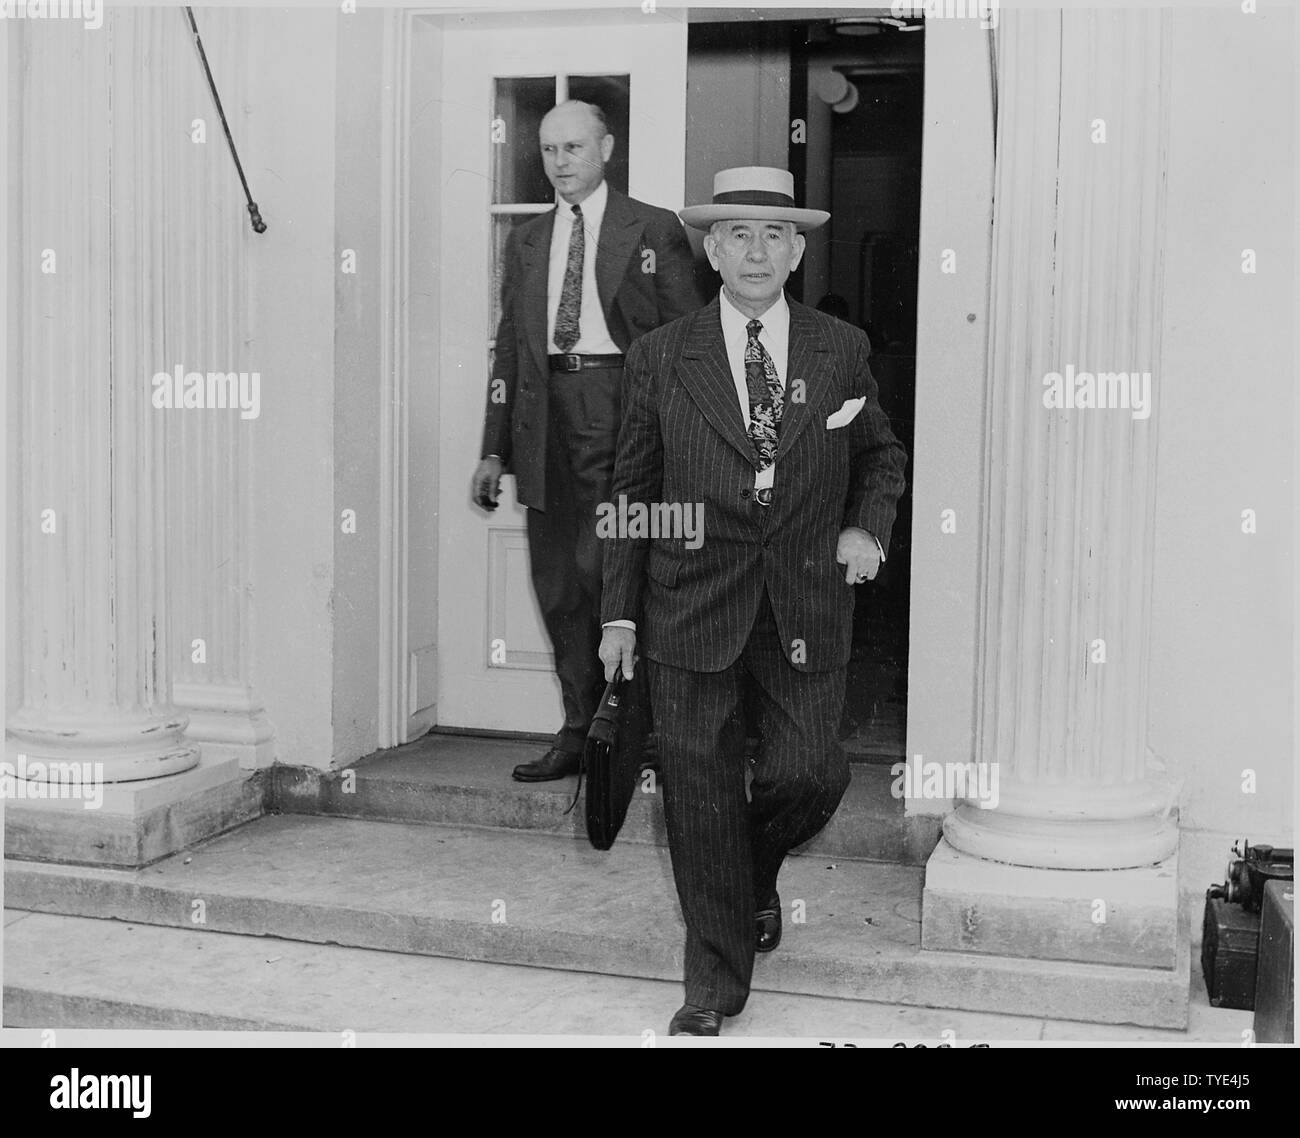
x=775, y=337
x=593, y=336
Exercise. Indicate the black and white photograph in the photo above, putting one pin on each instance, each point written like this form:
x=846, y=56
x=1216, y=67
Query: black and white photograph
x=607, y=523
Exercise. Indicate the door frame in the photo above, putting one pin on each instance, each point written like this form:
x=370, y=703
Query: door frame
x=412, y=56
x=394, y=381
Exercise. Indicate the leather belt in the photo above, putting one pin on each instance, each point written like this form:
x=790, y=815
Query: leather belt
x=571, y=361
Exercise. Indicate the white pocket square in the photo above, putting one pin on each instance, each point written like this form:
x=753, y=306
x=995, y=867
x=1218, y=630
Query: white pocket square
x=845, y=414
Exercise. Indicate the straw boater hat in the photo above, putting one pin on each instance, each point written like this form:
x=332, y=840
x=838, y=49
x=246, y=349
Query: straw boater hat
x=753, y=193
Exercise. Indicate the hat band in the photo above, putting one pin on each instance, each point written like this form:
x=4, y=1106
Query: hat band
x=753, y=197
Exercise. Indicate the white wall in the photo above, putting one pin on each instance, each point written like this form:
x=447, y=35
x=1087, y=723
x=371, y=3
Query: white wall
x=424, y=311
x=952, y=336
x=1222, y=670
x=10, y=383
x=737, y=114
x=289, y=159
x=361, y=326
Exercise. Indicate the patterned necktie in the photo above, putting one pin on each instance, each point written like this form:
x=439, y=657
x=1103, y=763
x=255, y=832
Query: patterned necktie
x=570, y=309
x=766, y=397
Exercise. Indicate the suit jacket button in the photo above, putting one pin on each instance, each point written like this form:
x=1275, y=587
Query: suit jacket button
x=744, y=493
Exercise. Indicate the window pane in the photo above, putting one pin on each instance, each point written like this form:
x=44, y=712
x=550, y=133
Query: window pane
x=518, y=107
x=612, y=93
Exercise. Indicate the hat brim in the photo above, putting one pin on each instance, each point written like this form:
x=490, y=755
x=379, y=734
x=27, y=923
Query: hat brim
x=702, y=216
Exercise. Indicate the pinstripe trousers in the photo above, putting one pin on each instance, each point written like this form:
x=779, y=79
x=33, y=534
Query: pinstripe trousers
x=727, y=848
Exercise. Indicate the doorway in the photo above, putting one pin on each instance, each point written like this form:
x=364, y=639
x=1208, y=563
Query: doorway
x=842, y=111
x=839, y=103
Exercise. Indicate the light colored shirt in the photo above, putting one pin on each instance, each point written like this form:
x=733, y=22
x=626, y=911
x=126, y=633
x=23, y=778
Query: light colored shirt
x=593, y=336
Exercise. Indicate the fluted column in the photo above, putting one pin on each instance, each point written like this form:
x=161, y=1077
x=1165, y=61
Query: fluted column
x=209, y=450
x=94, y=309
x=1070, y=490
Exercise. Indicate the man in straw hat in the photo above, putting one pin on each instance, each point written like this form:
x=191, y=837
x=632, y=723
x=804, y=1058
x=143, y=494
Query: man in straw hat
x=763, y=412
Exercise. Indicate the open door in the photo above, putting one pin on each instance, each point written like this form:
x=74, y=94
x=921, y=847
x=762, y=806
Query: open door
x=501, y=77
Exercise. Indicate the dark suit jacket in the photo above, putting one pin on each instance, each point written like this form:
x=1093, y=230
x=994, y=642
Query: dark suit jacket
x=683, y=440
x=633, y=300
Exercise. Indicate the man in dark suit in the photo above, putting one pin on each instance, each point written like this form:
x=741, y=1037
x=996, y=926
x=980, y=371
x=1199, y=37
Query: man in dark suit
x=765, y=413
x=581, y=282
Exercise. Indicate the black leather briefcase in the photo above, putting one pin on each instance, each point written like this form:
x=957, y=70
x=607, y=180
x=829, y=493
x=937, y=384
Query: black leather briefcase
x=612, y=757
x=1229, y=944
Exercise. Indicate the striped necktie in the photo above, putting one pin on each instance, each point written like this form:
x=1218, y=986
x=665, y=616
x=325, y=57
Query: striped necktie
x=567, y=316
x=766, y=397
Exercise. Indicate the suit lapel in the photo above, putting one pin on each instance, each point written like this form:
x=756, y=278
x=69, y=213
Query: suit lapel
x=537, y=259
x=705, y=372
x=805, y=362
x=619, y=231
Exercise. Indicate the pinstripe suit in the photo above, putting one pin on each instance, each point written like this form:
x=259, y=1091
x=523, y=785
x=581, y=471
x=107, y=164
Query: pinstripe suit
x=762, y=598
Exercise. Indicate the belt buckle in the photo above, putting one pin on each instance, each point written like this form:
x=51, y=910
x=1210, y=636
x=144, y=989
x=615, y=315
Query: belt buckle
x=572, y=361
x=764, y=496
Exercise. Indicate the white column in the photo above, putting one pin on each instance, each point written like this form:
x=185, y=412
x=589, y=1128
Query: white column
x=94, y=312
x=1070, y=493
x=209, y=458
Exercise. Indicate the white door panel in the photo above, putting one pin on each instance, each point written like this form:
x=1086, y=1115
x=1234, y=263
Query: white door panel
x=494, y=661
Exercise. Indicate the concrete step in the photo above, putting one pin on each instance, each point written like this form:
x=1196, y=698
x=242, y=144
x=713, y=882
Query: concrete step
x=548, y=901
x=76, y=972
x=463, y=780
x=79, y=972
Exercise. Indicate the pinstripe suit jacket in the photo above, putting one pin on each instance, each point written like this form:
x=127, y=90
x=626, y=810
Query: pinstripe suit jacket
x=683, y=440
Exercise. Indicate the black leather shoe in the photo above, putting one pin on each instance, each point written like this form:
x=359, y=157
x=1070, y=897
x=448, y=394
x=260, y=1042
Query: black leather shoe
x=767, y=925
x=690, y=1020
x=552, y=765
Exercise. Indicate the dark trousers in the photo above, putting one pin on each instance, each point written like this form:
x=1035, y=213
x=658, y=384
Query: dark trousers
x=564, y=552
x=726, y=849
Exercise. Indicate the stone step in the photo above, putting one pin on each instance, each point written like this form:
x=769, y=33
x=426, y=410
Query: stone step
x=461, y=780
x=78, y=973
x=548, y=901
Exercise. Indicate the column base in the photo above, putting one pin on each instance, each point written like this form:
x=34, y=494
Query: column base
x=227, y=723
x=1107, y=916
x=1071, y=825
x=123, y=747
x=134, y=823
